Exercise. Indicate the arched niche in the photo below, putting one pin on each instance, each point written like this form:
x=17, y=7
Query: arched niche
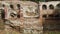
x=58, y=5
x=44, y=7
x=51, y=6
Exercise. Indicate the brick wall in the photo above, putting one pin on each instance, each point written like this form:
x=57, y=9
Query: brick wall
x=25, y=14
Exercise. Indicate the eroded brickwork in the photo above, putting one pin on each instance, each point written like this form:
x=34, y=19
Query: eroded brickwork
x=25, y=17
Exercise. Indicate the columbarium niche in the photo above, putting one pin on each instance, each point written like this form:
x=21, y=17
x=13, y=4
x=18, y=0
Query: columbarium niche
x=11, y=6
x=44, y=7
x=51, y=6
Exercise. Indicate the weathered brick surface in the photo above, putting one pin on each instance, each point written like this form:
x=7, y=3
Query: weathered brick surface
x=30, y=18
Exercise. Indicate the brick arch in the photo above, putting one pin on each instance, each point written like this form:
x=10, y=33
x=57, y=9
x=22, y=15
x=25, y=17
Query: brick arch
x=44, y=6
x=51, y=6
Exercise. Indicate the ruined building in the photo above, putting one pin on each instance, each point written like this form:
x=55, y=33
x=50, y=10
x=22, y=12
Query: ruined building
x=27, y=16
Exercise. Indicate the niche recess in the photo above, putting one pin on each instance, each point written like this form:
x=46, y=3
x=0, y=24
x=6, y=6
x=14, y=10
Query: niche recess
x=44, y=7
x=51, y=6
x=58, y=5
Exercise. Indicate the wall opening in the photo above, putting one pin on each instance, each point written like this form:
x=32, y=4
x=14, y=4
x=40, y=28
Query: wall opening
x=58, y=5
x=3, y=5
x=44, y=16
x=51, y=6
x=18, y=5
x=11, y=6
x=51, y=15
x=12, y=15
x=44, y=7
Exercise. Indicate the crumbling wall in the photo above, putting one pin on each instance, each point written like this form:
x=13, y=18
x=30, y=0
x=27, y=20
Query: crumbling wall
x=27, y=16
x=22, y=15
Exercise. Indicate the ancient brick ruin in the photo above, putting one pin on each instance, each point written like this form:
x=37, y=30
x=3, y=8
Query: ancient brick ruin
x=26, y=16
